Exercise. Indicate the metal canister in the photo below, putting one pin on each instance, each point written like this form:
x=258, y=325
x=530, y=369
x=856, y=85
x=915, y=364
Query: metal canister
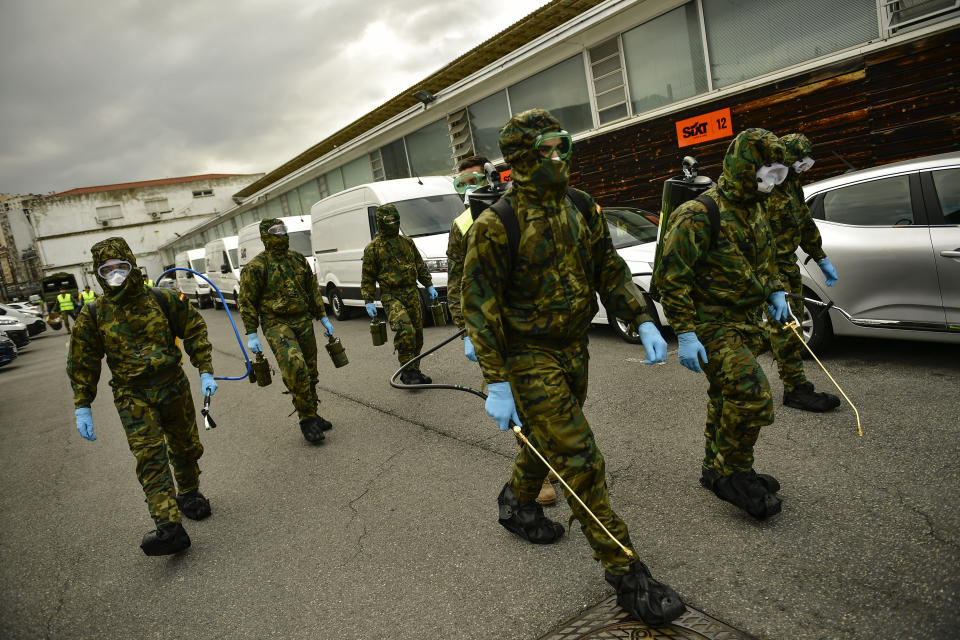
x=439, y=311
x=337, y=353
x=378, y=331
x=261, y=368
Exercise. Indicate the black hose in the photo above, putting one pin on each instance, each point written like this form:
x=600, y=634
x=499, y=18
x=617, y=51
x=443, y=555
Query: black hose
x=408, y=363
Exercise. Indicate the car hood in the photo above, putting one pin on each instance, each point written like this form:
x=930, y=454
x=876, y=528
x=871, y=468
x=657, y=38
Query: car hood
x=639, y=258
x=433, y=246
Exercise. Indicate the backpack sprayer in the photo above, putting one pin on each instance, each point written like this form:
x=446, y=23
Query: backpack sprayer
x=208, y=422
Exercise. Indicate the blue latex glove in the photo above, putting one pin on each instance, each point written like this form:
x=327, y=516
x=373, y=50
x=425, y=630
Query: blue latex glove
x=829, y=272
x=500, y=405
x=691, y=351
x=468, y=349
x=253, y=343
x=85, y=423
x=208, y=384
x=433, y=292
x=326, y=325
x=778, y=308
x=653, y=342
x=371, y=309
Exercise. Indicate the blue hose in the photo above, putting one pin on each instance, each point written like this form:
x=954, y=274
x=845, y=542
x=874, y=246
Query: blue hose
x=229, y=315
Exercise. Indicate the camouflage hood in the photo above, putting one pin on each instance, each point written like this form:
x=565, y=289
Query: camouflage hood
x=796, y=146
x=749, y=151
x=388, y=221
x=118, y=249
x=535, y=178
x=273, y=243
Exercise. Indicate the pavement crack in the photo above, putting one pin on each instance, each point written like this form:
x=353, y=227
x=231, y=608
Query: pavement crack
x=381, y=471
x=931, y=527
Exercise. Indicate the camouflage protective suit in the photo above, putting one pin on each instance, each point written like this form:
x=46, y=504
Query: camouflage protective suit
x=394, y=261
x=456, y=252
x=280, y=294
x=150, y=390
x=719, y=292
x=792, y=227
x=528, y=322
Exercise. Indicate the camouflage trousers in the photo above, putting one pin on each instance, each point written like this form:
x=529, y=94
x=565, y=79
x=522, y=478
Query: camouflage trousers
x=739, y=395
x=161, y=427
x=786, y=348
x=406, y=320
x=294, y=345
x=550, y=386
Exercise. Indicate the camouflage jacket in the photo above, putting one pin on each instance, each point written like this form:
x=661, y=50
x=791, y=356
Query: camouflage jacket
x=791, y=224
x=456, y=251
x=549, y=296
x=138, y=341
x=729, y=282
x=278, y=284
x=393, y=262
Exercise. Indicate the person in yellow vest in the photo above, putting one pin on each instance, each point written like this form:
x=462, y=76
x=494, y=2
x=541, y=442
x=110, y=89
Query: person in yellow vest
x=86, y=296
x=470, y=176
x=65, y=303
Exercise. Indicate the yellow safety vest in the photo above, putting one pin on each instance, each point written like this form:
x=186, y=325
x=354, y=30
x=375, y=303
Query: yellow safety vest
x=66, y=302
x=464, y=221
x=149, y=283
x=87, y=297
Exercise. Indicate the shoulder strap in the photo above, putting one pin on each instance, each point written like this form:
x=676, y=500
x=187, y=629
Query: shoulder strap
x=508, y=218
x=580, y=200
x=713, y=213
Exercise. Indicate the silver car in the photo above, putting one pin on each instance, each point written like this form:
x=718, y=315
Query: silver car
x=893, y=233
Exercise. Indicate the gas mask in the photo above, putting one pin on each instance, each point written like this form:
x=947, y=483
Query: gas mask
x=114, y=272
x=803, y=164
x=769, y=176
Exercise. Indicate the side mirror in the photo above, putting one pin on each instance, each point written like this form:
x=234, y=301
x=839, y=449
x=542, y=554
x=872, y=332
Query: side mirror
x=224, y=268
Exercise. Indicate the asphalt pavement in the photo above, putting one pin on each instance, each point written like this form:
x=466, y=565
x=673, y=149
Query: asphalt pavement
x=388, y=529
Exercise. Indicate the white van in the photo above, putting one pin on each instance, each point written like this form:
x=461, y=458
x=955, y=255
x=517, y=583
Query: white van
x=344, y=223
x=194, y=287
x=223, y=268
x=298, y=230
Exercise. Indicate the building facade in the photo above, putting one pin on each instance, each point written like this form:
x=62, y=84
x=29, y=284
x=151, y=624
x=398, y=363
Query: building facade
x=146, y=214
x=871, y=81
x=20, y=271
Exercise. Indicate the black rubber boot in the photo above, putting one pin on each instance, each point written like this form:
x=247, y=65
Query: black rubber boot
x=526, y=519
x=748, y=492
x=168, y=538
x=409, y=376
x=325, y=425
x=194, y=505
x=645, y=599
x=311, y=430
x=424, y=379
x=709, y=476
x=805, y=398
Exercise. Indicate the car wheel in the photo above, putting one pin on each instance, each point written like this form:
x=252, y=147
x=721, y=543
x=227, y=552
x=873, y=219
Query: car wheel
x=340, y=311
x=815, y=329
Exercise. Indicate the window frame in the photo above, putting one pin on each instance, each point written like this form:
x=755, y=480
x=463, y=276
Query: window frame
x=914, y=192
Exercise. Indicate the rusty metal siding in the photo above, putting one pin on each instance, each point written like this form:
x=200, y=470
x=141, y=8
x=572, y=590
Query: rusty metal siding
x=891, y=105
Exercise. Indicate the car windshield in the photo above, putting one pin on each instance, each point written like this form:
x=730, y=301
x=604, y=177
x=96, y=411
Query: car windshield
x=300, y=242
x=233, y=258
x=198, y=265
x=428, y=215
x=629, y=227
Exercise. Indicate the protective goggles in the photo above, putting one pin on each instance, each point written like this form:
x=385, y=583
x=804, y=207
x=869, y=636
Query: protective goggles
x=112, y=265
x=803, y=164
x=555, y=141
x=470, y=180
x=278, y=229
x=391, y=219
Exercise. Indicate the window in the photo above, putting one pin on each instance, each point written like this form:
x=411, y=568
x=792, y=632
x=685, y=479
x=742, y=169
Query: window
x=357, y=172
x=629, y=228
x=900, y=14
x=561, y=90
x=203, y=193
x=878, y=203
x=607, y=73
x=234, y=261
x=665, y=59
x=335, y=180
x=749, y=39
x=111, y=212
x=300, y=242
x=429, y=214
x=309, y=194
x=947, y=182
x=394, y=157
x=274, y=209
x=487, y=117
x=293, y=203
x=429, y=149
x=157, y=205
x=197, y=265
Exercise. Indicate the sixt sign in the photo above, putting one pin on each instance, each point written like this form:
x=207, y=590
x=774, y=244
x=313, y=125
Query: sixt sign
x=709, y=126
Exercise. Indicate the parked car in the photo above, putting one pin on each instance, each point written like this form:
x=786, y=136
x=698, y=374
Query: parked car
x=15, y=330
x=34, y=324
x=634, y=236
x=193, y=286
x=26, y=307
x=223, y=269
x=893, y=233
x=8, y=350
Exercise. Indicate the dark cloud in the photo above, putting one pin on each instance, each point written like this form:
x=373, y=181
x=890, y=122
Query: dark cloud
x=132, y=90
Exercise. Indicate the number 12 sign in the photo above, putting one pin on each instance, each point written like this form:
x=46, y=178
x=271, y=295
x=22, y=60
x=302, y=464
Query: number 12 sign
x=709, y=126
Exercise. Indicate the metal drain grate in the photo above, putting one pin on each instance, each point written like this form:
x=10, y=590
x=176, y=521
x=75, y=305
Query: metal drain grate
x=607, y=621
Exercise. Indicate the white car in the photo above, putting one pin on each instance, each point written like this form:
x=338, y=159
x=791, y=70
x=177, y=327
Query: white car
x=33, y=323
x=634, y=236
x=15, y=330
x=26, y=307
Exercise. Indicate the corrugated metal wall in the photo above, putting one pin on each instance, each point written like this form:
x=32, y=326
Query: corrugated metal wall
x=895, y=104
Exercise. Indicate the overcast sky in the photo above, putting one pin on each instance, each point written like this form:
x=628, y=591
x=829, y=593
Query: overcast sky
x=105, y=91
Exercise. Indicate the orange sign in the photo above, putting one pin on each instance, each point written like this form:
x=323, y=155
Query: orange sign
x=709, y=126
